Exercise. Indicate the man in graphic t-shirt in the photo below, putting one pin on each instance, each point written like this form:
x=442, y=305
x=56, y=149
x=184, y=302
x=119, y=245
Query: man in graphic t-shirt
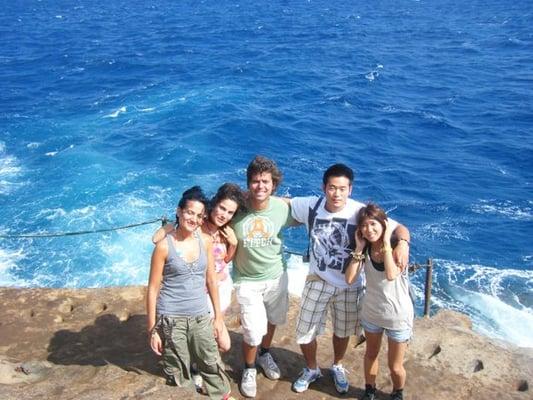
x=260, y=278
x=331, y=224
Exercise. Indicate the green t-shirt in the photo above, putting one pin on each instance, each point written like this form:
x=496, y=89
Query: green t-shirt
x=259, y=255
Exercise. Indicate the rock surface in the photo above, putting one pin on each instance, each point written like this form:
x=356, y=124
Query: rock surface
x=91, y=344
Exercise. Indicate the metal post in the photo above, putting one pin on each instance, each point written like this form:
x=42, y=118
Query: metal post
x=429, y=282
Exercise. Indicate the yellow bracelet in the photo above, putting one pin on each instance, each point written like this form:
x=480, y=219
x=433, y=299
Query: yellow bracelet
x=387, y=249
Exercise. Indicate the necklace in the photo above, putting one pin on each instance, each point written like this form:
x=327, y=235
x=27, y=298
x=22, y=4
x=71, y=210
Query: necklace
x=191, y=266
x=376, y=254
x=215, y=235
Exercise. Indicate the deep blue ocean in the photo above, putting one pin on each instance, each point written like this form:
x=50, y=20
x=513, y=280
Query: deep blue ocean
x=109, y=110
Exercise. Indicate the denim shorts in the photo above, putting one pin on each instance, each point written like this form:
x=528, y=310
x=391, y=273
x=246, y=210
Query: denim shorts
x=396, y=335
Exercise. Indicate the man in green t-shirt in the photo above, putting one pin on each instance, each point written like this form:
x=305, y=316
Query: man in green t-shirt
x=261, y=284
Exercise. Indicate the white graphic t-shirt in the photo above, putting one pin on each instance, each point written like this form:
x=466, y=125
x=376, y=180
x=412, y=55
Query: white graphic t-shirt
x=331, y=239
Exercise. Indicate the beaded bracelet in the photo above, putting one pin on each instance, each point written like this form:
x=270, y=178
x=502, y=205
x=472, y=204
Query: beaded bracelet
x=357, y=256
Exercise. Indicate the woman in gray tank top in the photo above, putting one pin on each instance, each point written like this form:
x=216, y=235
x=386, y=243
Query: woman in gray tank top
x=387, y=306
x=178, y=321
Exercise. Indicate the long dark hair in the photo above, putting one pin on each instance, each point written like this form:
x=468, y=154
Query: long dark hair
x=228, y=191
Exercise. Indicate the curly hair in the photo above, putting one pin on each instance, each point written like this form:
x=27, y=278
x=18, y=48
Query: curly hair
x=262, y=164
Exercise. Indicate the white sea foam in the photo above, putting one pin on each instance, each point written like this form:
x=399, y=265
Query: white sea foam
x=116, y=113
x=508, y=323
x=128, y=178
x=33, y=145
x=372, y=75
x=443, y=230
x=10, y=171
x=8, y=263
x=85, y=217
x=9, y=166
x=297, y=272
x=497, y=300
x=505, y=208
x=127, y=257
x=56, y=152
x=51, y=213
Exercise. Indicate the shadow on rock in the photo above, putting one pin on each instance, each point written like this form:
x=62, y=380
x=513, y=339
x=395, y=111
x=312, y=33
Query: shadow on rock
x=108, y=341
x=290, y=363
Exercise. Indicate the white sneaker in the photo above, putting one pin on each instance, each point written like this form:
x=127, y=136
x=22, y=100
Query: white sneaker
x=307, y=377
x=198, y=383
x=269, y=366
x=339, y=378
x=248, y=384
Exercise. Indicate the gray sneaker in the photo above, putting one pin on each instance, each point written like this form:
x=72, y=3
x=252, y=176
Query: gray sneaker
x=269, y=366
x=248, y=384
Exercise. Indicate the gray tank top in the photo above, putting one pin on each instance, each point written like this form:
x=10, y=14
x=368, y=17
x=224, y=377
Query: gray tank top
x=183, y=290
x=386, y=303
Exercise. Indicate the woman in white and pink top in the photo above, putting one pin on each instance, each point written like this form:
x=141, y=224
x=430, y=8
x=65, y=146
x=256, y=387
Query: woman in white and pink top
x=223, y=207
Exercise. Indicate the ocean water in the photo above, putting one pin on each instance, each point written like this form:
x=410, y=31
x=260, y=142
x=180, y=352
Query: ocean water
x=109, y=110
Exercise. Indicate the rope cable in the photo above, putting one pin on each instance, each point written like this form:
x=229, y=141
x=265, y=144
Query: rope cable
x=61, y=234
x=412, y=267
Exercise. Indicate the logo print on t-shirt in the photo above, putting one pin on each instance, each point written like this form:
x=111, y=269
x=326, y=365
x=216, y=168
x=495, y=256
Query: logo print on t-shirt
x=332, y=242
x=257, y=232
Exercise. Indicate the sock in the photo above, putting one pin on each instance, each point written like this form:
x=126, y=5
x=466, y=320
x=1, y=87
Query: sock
x=263, y=351
x=194, y=369
x=370, y=388
x=246, y=365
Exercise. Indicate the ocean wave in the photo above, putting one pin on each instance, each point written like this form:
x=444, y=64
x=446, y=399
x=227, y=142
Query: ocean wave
x=116, y=113
x=499, y=301
x=505, y=208
x=56, y=152
x=374, y=73
x=447, y=229
x=10, y=172
x=9, y=260
x=496, y=318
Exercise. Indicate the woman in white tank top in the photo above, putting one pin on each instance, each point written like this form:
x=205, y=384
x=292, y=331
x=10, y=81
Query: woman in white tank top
x=387, y=306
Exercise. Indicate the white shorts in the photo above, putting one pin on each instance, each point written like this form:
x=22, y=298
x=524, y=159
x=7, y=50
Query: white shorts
x=225, y=289
x=262, y=302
